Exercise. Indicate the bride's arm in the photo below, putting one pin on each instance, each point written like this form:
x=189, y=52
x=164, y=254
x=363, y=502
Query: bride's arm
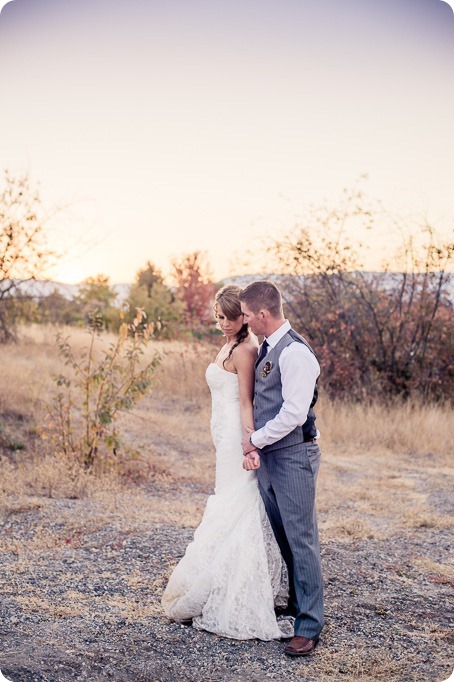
x=244, y=360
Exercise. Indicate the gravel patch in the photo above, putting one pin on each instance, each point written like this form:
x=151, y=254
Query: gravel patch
x=86, y=605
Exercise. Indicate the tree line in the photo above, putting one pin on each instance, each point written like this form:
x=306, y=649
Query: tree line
x=382, y=334
x=170, y=312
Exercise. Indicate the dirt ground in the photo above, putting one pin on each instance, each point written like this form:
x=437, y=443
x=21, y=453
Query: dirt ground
x=82, y=581
x=84, y=561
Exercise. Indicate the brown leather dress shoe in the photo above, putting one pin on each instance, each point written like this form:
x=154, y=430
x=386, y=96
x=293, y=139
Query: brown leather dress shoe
x=300, y=646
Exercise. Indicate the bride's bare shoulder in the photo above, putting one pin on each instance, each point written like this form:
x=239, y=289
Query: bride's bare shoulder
x=248, y=347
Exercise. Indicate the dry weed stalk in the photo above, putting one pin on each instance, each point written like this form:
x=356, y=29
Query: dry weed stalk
x=83, y=421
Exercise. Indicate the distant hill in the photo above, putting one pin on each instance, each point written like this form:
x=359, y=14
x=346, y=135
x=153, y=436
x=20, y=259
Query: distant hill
x=42, y=288
x=387, y=279
x=37, y=288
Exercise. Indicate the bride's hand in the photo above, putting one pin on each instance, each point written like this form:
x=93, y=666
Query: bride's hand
x=251, y=461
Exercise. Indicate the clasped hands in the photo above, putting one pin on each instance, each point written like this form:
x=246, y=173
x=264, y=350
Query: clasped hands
x=251, y=456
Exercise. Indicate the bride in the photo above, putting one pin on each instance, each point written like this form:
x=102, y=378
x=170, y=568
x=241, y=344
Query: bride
x=230, y=575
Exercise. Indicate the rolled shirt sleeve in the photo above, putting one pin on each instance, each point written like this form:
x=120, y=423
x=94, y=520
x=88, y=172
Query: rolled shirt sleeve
x=299, y=372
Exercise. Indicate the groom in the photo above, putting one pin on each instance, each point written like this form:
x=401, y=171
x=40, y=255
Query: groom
x=285, y=391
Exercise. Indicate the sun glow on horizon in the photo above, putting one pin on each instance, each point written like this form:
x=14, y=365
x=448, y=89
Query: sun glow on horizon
x=69, y=274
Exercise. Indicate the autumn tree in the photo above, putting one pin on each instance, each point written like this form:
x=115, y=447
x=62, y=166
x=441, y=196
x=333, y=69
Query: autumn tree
x=96, y=296
x=164, y=311
x=195, y=287
x=376, y=334
x=24, y=251
x=148, y=277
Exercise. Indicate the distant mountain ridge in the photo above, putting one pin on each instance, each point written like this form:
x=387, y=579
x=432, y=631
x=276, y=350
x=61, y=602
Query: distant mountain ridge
x=42, y=288
x=388, y=279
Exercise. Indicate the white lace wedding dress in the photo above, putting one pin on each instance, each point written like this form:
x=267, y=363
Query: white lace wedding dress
x=230, y=575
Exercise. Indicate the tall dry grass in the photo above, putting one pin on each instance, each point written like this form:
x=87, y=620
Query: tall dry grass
x=26, y=385
x=383, y=467
x=28, y=462
x=401, y=427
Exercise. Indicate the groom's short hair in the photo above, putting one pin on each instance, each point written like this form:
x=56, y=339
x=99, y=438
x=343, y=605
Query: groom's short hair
x=263, y=295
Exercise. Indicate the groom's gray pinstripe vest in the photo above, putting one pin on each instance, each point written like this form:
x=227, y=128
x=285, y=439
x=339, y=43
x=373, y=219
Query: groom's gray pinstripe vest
x=268, y=395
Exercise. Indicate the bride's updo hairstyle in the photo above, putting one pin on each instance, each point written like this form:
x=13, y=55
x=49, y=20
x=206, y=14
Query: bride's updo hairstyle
x=227, y=301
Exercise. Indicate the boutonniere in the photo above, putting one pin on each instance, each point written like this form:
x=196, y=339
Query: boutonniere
x=268, y=366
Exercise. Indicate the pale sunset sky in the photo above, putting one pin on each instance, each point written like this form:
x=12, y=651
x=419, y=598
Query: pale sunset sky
x=178, y=125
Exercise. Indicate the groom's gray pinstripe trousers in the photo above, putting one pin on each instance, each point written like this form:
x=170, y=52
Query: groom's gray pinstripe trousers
x=287, y=479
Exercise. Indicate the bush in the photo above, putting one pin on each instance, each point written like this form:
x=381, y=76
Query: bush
x=83, y=418
x=376, y=334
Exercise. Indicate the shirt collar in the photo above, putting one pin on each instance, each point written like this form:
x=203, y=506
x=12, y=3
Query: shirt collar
x=274, y=338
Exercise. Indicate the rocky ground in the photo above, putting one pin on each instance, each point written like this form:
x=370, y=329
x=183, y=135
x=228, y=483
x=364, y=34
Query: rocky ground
x=81, y=594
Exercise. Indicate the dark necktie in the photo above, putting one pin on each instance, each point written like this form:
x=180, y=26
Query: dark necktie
x=263, y=351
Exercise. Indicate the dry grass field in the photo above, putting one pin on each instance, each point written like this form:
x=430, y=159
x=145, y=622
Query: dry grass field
x=85, y=556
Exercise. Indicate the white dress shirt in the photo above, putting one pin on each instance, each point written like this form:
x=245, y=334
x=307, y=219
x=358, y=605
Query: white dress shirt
x=299, y=371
